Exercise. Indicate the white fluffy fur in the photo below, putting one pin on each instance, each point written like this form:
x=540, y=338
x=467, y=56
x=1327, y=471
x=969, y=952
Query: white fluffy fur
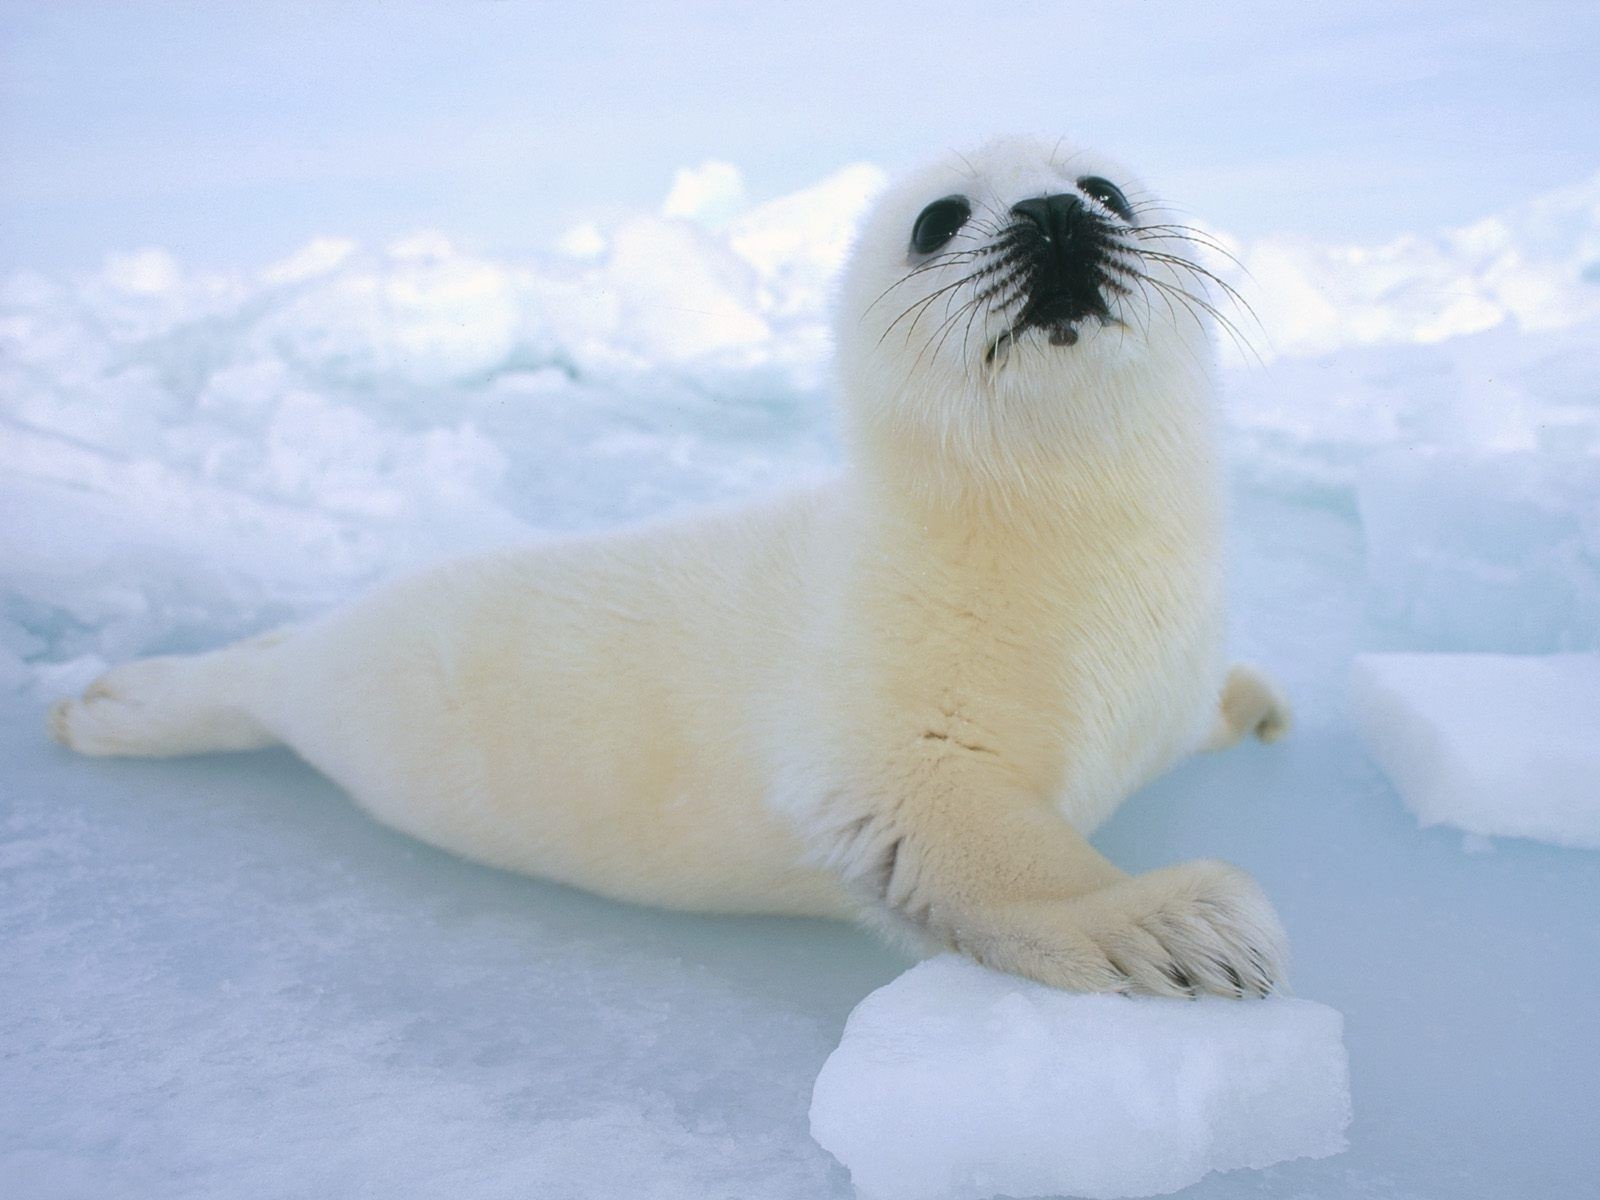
x=906, y=696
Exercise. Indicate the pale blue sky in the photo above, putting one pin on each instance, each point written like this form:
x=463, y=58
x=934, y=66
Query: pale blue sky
x=230, y=133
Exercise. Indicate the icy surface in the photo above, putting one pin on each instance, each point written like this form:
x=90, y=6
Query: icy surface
x=218, y=980
x=1477, y=550
x=1488, y=743
x=955, y=1082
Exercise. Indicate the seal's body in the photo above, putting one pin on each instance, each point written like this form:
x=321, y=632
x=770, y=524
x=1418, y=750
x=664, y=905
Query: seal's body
x=905, y=696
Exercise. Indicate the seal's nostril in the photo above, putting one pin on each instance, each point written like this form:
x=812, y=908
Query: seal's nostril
x=1050, y=213
x=1037, y=211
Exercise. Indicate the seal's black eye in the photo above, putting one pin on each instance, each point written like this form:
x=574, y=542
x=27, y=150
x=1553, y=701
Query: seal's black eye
x=938, y=223
x=1108, y=194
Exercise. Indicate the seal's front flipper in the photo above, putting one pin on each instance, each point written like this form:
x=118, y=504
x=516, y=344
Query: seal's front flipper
x=1250, y=704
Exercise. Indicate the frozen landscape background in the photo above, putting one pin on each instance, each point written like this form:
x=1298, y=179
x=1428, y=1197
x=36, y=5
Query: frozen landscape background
x=295, y=297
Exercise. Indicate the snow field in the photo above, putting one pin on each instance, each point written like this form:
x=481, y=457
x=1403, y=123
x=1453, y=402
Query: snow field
x=222, y=981
x=186, y=455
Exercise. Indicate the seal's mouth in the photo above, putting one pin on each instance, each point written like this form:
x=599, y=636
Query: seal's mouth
x=1060, y=333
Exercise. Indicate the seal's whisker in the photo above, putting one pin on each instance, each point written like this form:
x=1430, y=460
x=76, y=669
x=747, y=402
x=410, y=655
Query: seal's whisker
x=1182, y=240
x=1004, y=246
x=1188, y=233
x=979, y=311
x=1169, y=293
x=923, y=304
x=951, y=316
x=970, y=306
x=949, y=294
x=948, y=258
x=1193, y=355
x=1199, y=272
x=1194, y=268
x=1158, y=203
x=944, y=325
x=951, y=258
x=1188, y=298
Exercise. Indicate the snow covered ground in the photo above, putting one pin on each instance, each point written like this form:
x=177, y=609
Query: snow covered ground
x=220, y=980
x=197, y=451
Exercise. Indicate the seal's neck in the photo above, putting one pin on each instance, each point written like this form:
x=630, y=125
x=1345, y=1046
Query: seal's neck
x=1157, y=474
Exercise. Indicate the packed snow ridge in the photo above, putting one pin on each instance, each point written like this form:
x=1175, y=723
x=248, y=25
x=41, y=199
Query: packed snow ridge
x=1493, y=744
x=955, y=1082
x=191, y=455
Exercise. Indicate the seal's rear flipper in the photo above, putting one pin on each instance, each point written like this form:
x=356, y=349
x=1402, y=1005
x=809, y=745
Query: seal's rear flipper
x=164, y=707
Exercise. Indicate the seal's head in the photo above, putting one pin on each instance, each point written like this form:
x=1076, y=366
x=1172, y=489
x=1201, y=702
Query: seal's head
x=1020, y=299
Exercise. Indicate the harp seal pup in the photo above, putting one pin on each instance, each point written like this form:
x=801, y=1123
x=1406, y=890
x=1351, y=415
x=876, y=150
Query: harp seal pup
x=906, y=696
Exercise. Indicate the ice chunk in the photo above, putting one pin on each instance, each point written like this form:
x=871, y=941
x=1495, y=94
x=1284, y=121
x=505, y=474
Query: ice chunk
x=1526, y=267
x=710, y=194
x=955, y=1081
x=1469, y=550
x=1488, y=743
x=683, y=293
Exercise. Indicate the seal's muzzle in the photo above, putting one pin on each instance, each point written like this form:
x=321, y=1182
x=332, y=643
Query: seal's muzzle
x=1063, y=242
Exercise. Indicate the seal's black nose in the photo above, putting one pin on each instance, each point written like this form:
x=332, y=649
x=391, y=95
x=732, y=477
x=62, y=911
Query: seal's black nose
x=1055, y=215
x=1065, y=245
x=1068, y=233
